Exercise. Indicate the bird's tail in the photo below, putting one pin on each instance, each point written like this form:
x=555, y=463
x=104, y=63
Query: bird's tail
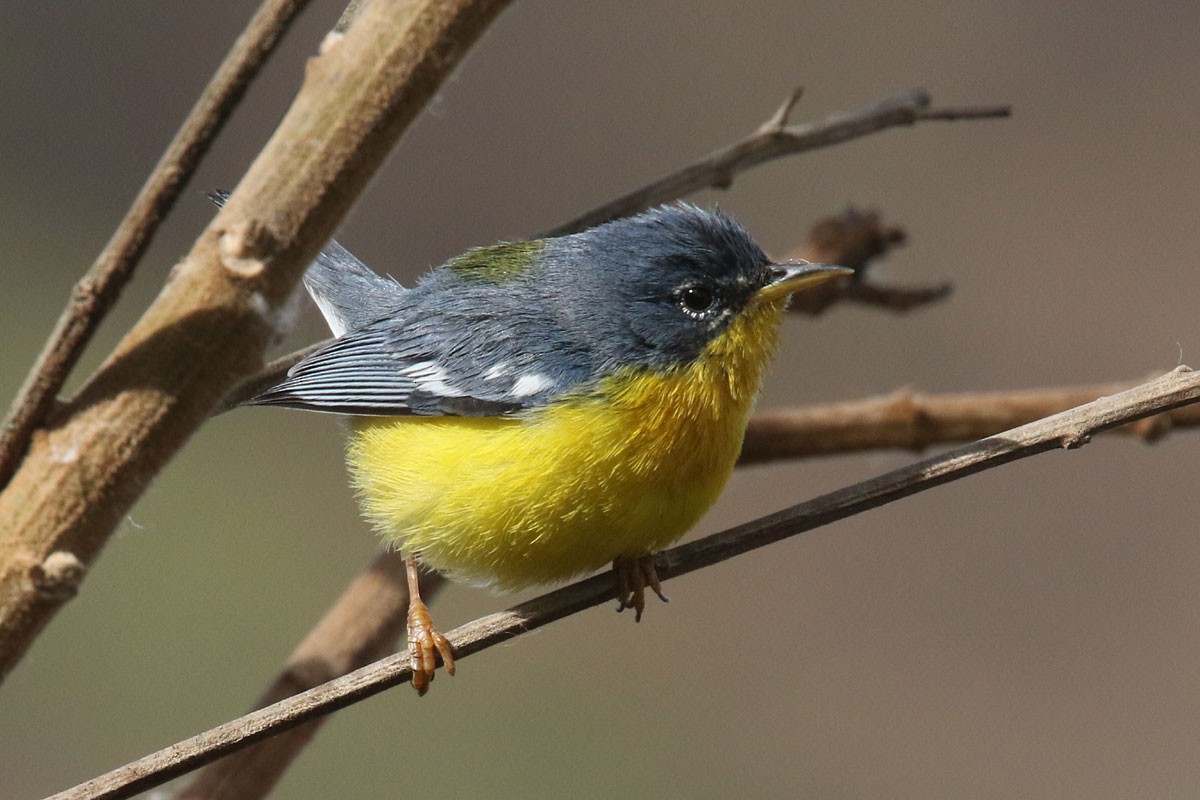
x=348, y=292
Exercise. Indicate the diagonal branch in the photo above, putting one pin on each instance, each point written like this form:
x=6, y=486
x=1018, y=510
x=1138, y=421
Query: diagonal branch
x=1069, y=429
x=775, y=139
x=211, y=322
x=363, y=625
x=95, y=293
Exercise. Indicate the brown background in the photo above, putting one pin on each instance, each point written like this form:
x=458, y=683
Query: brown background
x=1031, y=632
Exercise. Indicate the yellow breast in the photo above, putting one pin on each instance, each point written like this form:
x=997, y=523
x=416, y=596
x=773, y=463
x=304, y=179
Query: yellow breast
x=516, y=501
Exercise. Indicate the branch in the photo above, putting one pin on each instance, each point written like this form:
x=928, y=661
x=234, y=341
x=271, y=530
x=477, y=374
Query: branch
x=909, y=421
x=775, y=139
x=363, y=625
x=855, y=239
x=1070, y=429
x=212, y=320
x=98, y=290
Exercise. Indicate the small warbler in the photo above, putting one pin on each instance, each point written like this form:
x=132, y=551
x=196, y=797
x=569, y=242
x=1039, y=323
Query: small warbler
x=531, y=411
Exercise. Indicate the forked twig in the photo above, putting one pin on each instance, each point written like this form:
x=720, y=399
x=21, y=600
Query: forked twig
x=773, y=139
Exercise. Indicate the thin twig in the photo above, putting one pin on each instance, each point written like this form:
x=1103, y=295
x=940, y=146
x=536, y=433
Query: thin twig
x=907, y=420
x=774, y=139
x=364, y=624
x=98, y=290
x=952, y=113
x=856, y=238
x=1069, y=429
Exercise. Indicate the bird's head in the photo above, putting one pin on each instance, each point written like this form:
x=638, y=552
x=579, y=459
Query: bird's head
x=656, y=289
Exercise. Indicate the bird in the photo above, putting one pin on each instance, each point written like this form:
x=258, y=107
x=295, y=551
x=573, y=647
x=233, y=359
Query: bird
x=533, y=411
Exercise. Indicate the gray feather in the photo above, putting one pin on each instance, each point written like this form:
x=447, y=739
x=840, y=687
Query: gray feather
x=467, y=352
x=349, y=293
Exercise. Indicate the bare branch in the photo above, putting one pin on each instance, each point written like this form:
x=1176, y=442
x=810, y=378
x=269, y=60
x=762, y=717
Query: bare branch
x=965, y=112
x=99, y=289
x=855, y=238
x=1069, y=429
x=900, y=299
x=211, y=322
x=363, y=625
x=910, y=421
x=774, y=139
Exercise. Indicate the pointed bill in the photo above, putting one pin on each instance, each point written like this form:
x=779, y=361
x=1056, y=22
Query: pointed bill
x=796, y=276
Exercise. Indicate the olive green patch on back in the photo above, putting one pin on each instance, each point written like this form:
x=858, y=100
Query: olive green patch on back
x=497, y=262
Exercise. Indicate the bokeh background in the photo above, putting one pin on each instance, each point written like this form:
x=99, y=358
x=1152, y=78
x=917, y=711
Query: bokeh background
x=1030, y=632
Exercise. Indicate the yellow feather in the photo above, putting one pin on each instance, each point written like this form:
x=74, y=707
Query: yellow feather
x=624, y=471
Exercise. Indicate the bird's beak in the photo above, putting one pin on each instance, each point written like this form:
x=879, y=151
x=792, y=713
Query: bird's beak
x=789, y=278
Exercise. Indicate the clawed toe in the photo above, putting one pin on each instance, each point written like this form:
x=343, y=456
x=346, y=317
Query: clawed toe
x=633, y=575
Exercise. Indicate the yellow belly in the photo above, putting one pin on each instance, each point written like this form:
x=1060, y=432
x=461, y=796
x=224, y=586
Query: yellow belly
x=512, y=502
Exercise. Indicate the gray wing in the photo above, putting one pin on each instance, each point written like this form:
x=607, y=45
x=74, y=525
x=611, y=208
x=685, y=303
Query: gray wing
x=463, y=351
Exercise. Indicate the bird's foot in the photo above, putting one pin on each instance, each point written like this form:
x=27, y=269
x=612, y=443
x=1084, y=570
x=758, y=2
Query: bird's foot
x=633, y=575
x=425, y=643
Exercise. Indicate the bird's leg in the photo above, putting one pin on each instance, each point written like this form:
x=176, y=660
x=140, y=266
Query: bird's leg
x=633, y=574
x=424, y=641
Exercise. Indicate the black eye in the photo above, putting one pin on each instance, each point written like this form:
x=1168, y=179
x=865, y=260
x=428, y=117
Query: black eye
x=696, y=300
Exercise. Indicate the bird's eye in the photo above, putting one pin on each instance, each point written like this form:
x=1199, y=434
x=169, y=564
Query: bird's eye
x=697, y=300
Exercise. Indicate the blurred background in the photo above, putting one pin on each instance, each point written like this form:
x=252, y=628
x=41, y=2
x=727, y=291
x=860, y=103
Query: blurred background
x=1032, y=631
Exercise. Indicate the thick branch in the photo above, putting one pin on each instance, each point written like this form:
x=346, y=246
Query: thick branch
x=98, y=290
x=1069, y=429
x=211, y=322
x=363, y=625
x=775, y=139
